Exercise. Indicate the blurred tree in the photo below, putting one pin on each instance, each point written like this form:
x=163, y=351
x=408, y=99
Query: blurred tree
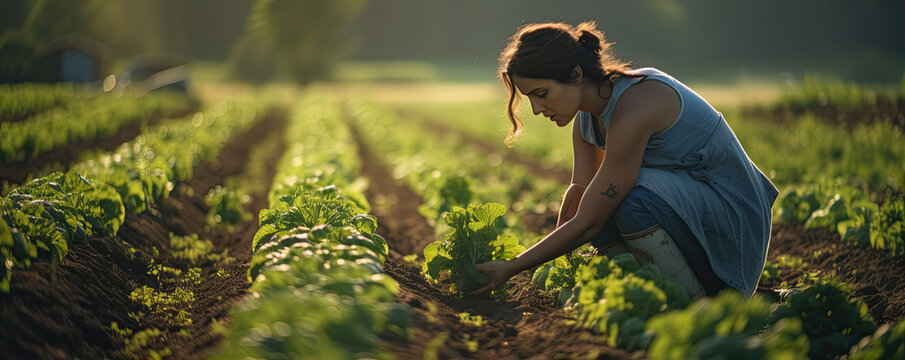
x=16, y=54
x=301, y=40
x=13, y=15
x=51, y=19
x=251, y=60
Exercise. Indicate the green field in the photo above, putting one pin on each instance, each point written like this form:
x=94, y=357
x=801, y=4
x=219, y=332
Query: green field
x=343, y=220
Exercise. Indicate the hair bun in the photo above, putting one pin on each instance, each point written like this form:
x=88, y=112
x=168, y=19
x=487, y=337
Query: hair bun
x=589, y=40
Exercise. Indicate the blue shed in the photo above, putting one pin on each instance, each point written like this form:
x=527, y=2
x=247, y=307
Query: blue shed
x=72, y=58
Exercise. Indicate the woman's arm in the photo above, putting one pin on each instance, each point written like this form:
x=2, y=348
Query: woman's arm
x=643, y=110
x=626, y=140
x=584, y=165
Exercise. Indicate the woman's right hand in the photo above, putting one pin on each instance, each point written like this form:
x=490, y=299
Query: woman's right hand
x=499, y=271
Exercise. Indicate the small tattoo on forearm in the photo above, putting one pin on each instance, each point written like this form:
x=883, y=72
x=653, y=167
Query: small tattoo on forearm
x=611, y=192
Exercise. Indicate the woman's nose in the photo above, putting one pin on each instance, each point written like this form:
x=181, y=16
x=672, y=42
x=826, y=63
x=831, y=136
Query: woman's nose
x=536, y=108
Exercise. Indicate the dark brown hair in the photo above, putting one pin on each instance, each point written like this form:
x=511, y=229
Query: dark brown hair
x=551, y=51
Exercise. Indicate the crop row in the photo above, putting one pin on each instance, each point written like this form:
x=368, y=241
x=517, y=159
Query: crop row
x=318, y=286
x=20, y=101
x=82, y=121
x=45, y=216
x=637, y=308
x=844, y=209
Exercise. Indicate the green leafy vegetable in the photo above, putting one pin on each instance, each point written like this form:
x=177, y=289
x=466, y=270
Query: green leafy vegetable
x=888, y=342
x=616, y=296
x=473, y=238
x=728, y=326
x=226, y=206
x=832, y=322
x=558, y=277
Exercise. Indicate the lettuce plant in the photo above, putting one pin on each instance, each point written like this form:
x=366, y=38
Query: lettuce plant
x=617, y=296
x=888, y=229
x=557, y=277
x=473, y=238
x=44, y=217
x=728, y=326
x=832, y=322
x=304, y=206
x=888, y=342
x=226, y=206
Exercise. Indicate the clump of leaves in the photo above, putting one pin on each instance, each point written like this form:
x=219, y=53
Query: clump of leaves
x=169, y=304
x=466, y=318
x=847, y=210
x=728, y=326
x=888, y=229
x=324, y=242
x=192, y=249
x=304, y=206
x=44, y=217
x=617, y=296
x=888, y=342
x=226, y=206
x=773, y=269
x=557, y=277
x=452, y=190
x=319, y=294
x=473, y=238
x=138, y=344
x=832, y=322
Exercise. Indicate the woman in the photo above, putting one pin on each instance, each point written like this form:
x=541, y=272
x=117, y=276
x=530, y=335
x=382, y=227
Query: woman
x=675, y=186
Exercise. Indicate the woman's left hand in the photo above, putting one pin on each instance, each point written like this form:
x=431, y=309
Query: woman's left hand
x=499, y=271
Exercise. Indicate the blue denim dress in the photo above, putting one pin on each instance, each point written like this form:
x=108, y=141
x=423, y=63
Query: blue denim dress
x=699, y=169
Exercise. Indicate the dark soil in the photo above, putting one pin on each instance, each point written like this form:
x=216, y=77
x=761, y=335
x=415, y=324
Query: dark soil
x=66, y=311
x=62, y=158
x=527, y=326
x=875, y=276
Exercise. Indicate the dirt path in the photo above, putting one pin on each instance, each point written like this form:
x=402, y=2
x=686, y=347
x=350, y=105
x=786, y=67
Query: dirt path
x=527, y=326
x=66, y=311
x=62, y=158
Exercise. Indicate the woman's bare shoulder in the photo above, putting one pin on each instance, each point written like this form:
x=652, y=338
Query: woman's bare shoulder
x=651, y=101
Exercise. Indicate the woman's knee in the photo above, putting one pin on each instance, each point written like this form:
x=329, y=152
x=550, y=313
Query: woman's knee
x=635, y=213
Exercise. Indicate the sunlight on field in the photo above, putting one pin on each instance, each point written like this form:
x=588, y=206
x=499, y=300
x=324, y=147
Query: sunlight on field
x=414, y=92
x=213, y=92
x=423, y=82
x=739, y=94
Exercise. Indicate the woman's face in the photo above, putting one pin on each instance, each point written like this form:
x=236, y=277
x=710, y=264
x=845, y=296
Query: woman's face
x=555, y=100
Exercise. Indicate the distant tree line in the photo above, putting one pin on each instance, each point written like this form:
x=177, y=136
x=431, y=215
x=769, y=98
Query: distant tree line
x=298, y=39
x=263, y=39
x=861, y=40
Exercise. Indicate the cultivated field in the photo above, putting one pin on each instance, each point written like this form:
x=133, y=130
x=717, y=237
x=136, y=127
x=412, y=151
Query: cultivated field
x=334, y=222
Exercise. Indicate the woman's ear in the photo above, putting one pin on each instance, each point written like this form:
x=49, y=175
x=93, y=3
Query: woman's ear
x=575, y=76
